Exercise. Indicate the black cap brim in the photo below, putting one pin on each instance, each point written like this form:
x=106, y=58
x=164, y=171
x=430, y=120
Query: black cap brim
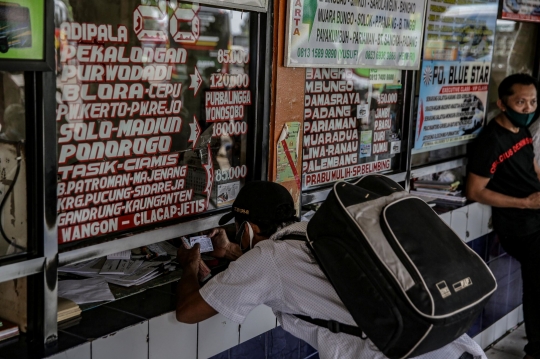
x=226, y=218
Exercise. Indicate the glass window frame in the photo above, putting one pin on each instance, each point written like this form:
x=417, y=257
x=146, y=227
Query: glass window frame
x=257, y=143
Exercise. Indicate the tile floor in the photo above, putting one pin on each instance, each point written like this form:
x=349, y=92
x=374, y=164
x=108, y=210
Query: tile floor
x=510, y=347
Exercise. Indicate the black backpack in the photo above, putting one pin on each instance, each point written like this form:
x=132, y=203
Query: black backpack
x=409, y=282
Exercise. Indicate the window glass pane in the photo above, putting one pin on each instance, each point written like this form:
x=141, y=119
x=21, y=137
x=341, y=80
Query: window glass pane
x=152, y=112
x=13, y=227
x=425, y=158
x=512, y=54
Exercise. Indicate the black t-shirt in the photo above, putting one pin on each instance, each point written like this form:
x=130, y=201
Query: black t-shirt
x=507, y=158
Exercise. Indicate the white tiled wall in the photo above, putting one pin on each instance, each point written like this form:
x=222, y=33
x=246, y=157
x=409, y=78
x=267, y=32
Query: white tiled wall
x=469, y=222
x=499, y=328
x=168, y=338
x=215, y=335
x=513, y=318
x=164, y=337
x=130, y=342
x=79, y=352
x=458, y=222
x=474, y=221
x=446, y=217
x=486, y=218
x=259, y=321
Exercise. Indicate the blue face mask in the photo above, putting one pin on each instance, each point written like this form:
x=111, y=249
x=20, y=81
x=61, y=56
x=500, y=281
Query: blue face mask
x=518, y=119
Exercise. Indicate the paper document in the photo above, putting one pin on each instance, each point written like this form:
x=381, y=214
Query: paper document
x=87, y=267
x=85, y=290
x=120, y=255
x=156, y=248
x=169, y=248
x=205, y=243
x=137, y=272
x=133, y=266
x=114, y=266
x=204, y=271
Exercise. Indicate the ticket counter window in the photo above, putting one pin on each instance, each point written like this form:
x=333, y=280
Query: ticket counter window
x=153, y=113
x=13, y=230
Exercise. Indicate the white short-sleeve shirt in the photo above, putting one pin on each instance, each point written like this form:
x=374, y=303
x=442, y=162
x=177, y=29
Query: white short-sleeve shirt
x=283, y=275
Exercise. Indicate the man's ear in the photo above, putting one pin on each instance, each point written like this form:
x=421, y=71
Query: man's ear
x=501, y=105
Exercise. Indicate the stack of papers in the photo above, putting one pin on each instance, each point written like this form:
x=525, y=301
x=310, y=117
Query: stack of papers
x=85, y=291
x=454, y=197
x=448, y=186
x=120, y=255
x=8, y=329
x=114, y=266
x=444, y=191
x=67, y=309
x=88, y=267
x=125, y=272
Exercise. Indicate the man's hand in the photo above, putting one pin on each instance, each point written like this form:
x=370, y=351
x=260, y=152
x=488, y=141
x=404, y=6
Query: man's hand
x=533, y=201
x=477, y=191
x=220, y=242
x=223, y=248
x=189, y=258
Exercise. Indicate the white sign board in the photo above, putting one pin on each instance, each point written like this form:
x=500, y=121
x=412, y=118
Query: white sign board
x=355, y=33
x=250, y=5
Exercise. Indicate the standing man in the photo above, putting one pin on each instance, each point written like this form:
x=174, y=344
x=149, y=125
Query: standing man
x=281, y=274
x=502, y=173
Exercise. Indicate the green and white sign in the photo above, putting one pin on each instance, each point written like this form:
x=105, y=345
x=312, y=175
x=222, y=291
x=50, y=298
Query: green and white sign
x=355, y=33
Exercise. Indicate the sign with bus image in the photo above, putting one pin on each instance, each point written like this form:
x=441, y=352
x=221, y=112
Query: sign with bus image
x=15, y=28
x=21, y=30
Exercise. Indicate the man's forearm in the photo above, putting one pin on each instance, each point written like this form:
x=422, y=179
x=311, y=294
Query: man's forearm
x=496, y=199
x=191, y=308
x=186, y=290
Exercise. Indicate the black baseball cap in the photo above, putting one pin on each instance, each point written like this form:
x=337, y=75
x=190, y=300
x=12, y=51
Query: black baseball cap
x=261, y=201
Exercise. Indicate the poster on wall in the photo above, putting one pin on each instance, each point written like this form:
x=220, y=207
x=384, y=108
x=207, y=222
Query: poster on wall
x=22, y=30
x=351, y=122
x=458, y=48
x=151, y=113
x=518, y=10
x=287, y=153
x=354, y=33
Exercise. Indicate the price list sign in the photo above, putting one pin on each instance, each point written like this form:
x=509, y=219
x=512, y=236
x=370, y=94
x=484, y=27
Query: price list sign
x=349, y=125
x=150, y=118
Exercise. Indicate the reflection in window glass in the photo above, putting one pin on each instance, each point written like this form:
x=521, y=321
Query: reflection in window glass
x=13, y=230
x=512, y=54
x=152, y=102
